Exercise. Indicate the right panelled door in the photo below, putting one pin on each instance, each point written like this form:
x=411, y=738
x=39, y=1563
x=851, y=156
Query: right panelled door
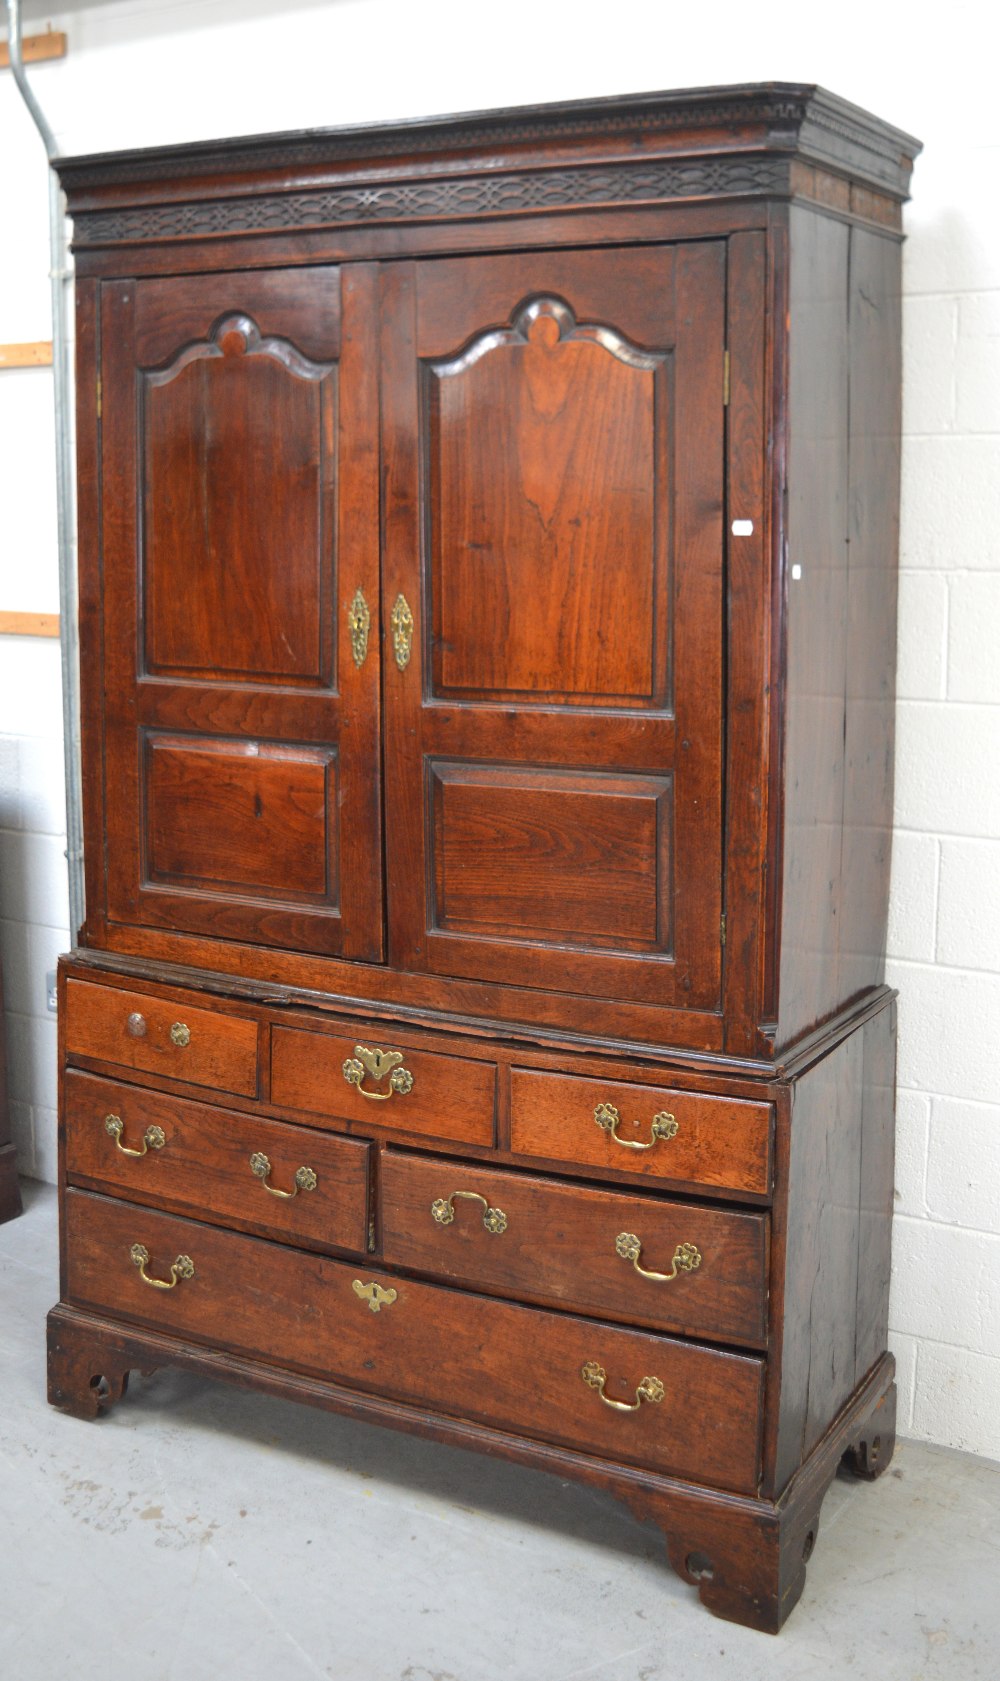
x=552, y=602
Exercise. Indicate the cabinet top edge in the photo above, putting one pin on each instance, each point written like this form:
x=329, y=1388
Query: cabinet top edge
x=789, y=118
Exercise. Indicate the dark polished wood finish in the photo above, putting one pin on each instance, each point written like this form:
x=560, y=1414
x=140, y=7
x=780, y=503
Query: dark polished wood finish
x=487, y=600
x=717, y=1143
x=559, y=1244
x=475, y=1357
x=141, y=1032
x=449, y=1097
x=201, y=1162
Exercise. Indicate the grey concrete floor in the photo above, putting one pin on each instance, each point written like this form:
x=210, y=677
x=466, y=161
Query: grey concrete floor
x=202, y=1533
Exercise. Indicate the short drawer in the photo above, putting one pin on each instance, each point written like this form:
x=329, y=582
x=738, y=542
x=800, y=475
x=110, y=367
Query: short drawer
x=382, y=1081
x=679, y=1266
x=305, y=1186
x=136, y=1030
x=680, y=1136
x=467, y=1356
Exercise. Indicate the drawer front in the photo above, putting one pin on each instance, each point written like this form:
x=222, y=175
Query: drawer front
x=380, y=1081
x=467, y=1356
x=215, y=1163
x=703, y=1271
x=156, y=1036
x=683, y=1137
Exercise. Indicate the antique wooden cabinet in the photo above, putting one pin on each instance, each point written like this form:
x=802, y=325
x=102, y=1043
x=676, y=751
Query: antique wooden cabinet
x=487, y=551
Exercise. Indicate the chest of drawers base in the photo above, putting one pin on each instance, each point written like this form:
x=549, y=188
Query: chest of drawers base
x=746, y=1555
x=621, y=1270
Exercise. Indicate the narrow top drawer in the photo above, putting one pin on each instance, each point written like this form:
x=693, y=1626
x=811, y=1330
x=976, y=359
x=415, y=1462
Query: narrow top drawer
x=158, y=1036
x=680, y=1136
x=384, y=1082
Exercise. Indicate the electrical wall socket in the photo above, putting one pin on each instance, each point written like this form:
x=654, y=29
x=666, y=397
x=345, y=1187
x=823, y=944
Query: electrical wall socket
x=50, y=991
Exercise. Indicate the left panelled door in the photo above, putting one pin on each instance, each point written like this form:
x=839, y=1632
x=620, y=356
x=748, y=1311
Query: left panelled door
x=239, y=451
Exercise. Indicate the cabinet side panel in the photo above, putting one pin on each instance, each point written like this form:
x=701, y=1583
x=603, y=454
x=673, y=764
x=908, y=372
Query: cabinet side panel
x=816, y=621
x=821, y=1219
x=877, y=1174
x=873, y=541
x=843, y=516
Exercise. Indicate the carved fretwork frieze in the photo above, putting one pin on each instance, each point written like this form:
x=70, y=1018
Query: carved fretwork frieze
x=780, y=111
x=482, y=195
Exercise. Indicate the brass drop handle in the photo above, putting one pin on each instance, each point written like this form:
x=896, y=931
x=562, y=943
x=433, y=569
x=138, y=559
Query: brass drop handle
x=359, y=621
x=608, y=1119
x=153, y=1138
x=260, y=1167
x=686, y=1257
x=378, y=1063
x=183, y=1267
x=180, y=1034
x=443, y=1210
x=650, y=1389
x=374, y=1295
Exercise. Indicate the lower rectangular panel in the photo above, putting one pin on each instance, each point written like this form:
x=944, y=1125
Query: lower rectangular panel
x=470, y=1357
x=241, y=817
x=567, y=856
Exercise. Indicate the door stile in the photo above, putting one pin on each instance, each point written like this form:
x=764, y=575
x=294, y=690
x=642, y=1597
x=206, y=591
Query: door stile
x=401, y=594
x=359, y=619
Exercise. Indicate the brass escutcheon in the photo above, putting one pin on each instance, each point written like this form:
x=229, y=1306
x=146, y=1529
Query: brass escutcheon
x=153, y=1138
x=494, y=1219
x=359, y=621
x=401, y=621
x=378, y=1064
x=374, y=1294
x=686, y=1257
x=650, y=1389
x=609, y=1120
x=260, y=1167
x=183, y=1267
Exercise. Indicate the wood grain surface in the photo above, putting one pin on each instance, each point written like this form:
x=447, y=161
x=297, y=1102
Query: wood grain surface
x=472, y=1356
x=203, y=1165
x=558, y=1246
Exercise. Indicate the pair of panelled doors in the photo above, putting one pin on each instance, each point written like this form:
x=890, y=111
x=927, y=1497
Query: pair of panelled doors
x=413, y=609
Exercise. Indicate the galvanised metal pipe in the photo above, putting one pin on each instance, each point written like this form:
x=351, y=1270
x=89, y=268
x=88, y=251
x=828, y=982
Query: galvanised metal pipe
x=61, y=276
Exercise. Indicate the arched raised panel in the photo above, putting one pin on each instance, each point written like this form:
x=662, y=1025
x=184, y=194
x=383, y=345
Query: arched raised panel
x=553, y=427
x=546, y=451
x=238, y=485
x=240, y=498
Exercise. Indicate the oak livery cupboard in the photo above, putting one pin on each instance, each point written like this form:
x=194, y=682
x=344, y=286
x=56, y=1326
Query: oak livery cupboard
x=487, y=570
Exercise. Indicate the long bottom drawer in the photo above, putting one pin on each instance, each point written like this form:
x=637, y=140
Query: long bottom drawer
x=468, y=1356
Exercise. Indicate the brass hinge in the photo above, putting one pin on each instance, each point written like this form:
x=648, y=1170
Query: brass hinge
x=725, y=379
x=722, y=928
x=100, y=395
x=371, y=1235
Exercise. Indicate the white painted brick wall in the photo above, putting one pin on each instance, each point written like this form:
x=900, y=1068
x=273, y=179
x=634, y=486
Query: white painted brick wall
x=248, y=65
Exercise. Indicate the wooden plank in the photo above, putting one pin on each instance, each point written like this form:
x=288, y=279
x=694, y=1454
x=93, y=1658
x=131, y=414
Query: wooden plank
x=36, y=48
x=29, y=624
x=37, y=355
